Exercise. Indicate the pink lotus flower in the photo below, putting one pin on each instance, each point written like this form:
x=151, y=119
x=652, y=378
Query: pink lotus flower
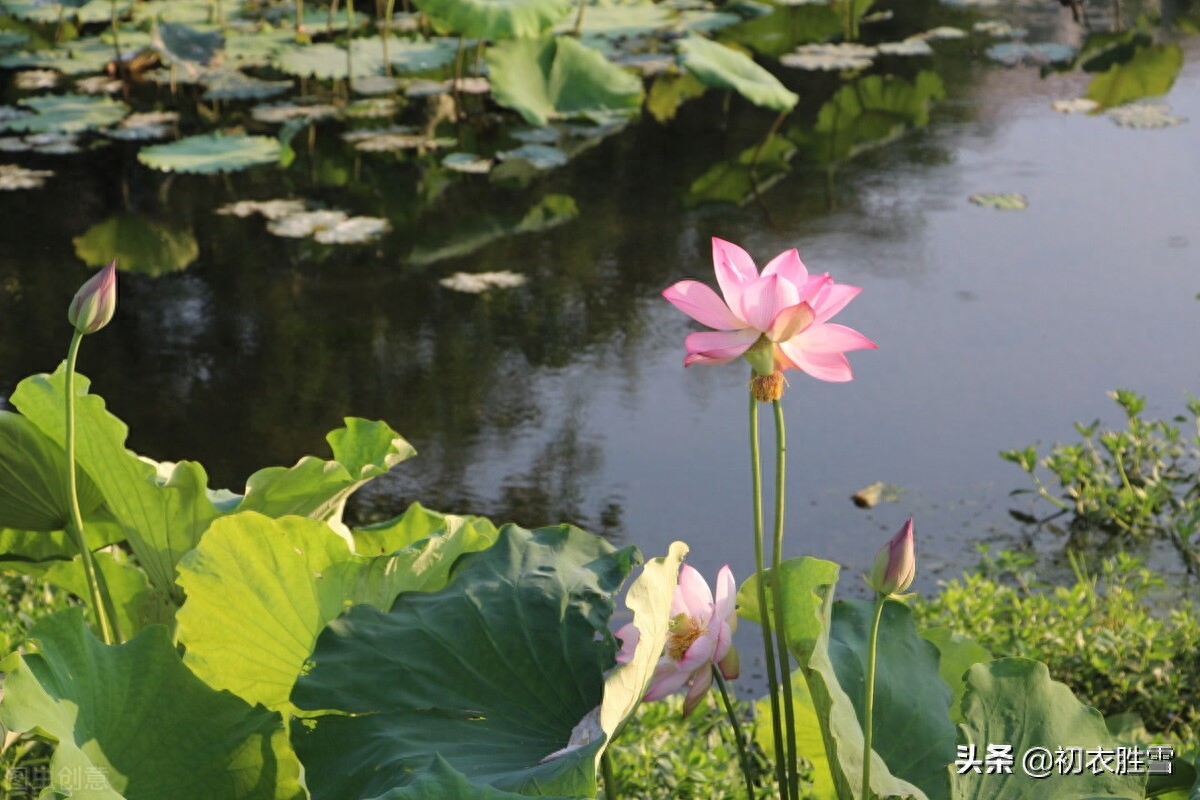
x=896, y=563
x=778, y=320
x=700, y=635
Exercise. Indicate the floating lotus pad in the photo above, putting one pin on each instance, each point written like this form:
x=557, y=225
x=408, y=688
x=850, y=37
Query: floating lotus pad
x=145, y=126
x=233, y=85
x=830, y=57
x=279, y=113
x=539, y=156
x=999, y=29
x=13, y=177
x=67, y=113
x=374, y=85
x=1005, y=202
x=721, y=67
x=328, y=61
x=186, y=47
x=77, y=57
x=497, y=19
x=212, y=152
x=98, y=84
x=908, y=47
x=1144, y=115
x=35, y=79
x=50, y=13
x=390, y=142
x=53, y=143
x=306, y=223
x=480, y=282
x=468, y=163
x=1079, y=105
x=1010, y=54
x=943, y=33
x=356, y=230
x=271, y=209
x=373, y=108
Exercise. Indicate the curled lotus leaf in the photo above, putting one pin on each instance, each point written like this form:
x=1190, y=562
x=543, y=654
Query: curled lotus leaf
x=722, y=67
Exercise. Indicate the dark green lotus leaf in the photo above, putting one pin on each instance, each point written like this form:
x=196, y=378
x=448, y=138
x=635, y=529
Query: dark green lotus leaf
x=557, y=78
x=496, y=19
x=184, y=46
x=958, y=654
x=33, y=479
x=1151, y=71
x=493, y=674
x=162, y=518
x=480, y=230
x=67, y=113
x=234, y=85
x=212, y=152
x=1104, y=49
x=260, y=590
x=669, y=92
x=787, y=27
x=739, y=180
x=1013, y=701
x=134, y=718
x=139, y=245
x=722, y=67
x=77, y=57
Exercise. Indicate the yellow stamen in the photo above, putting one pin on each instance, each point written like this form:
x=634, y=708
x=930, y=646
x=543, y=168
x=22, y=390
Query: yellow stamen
x=684, y=630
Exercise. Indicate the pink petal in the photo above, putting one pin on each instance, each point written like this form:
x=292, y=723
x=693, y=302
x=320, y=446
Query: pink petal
x=811, y=288
x=832, y=338
x=694, y=591
x=735, y=270
x=726, y=604
x=791, y=321
x=629, y=636
x=831, y=367
x=833, y=299
x=700, y=686
x=724, y=642
x=702, y=304
x=718, y=347
x=788, y=265
x=700, y=653
x=666, y=684
x=765, y=298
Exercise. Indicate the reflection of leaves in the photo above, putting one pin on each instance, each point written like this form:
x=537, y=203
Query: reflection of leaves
x=1151, y=71
x=868, y=113
x=549, y=212
x=138, y=244
x=739, y=179
x=668, y=93
x=721, y=67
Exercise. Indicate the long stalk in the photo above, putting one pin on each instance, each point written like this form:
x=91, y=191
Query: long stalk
x=785, y=667
x=611, y=792
x=869, y=704
x=764, y=614
x=743, y=756
x=101, y=602
x=579, y=19
x=387, y=31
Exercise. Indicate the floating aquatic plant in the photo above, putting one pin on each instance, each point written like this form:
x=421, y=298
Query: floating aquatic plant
x=271, y=209
x=13, y=177
x=908, y=47
x=36, y=79
x=212, y=152
x=1144, y=115
x=1010, y=54
x=1005, y=202
x=479, y=282
x=66, y=113
x=279, y=113
x=1078, y=105
x=830, y=57
x=468, y=163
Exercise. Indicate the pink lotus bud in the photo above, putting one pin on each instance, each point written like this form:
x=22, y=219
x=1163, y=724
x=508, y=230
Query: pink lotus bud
x=95, y=302
x=895, y=563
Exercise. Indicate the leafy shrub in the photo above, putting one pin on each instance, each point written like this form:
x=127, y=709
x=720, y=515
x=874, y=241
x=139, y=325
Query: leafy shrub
x=1102, y=636
x=1139, y=483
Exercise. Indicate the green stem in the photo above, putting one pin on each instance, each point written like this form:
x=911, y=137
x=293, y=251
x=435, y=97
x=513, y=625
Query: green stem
x=387, y=32
x=743, y=756
x=869, y=706
x=101, y=602
x=764, y=613
x=610, y=781
x=785, y=667
x=579, y=19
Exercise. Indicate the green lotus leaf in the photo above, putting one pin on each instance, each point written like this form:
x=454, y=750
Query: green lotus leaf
x=78, y=57
x=809, y=743
x=497, y=19
x=328, y=61
x=136, y=602
x=185, y=46
x=212, y=152
x=721, y=67
x=1013, y=701
x=557, y=78
x=67, y=113
x=1151, y=71
x=494, y=674
x=785, y=28
x=162, y=518
x=135, y=719
x=669, y=92
x=30, y=552
x=739, y=180
x=139, y=245
x=234, y=85
x=86, y=11
x=260, y=591
x=415, y=524
x=256, y=49
x=33, y=479
x=187, y=12
x=624, y=20
x=958, y=653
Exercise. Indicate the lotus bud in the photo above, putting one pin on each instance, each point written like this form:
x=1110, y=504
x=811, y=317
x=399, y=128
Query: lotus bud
x=895, y=563
x=95, y=302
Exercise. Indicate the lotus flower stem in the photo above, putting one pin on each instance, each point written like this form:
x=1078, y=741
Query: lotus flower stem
x=101, y=602
x=579, y=19
x=785, y=668
x=611, y=792
x=869, y=704
x=743, y=756
x=387, y=31
x=763, y=612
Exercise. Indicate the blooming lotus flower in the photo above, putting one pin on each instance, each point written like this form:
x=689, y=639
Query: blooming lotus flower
x=700, y=635
x=95, y=302
x=896, y=563
x=778, y=320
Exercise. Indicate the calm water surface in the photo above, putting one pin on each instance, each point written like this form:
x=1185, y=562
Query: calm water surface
x=566, y=399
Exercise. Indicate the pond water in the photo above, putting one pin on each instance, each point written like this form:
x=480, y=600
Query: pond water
x=565, y=399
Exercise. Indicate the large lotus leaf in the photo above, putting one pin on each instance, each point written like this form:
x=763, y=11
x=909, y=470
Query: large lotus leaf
x=136, y=602
x=33, y=479
x=1151, y=71
x=162, y=520
x=212, y=152
x=415, y=524
x=807, y=585
x=722, y=67
x=234, y=85
x=957, y=654
x=134, y=716
x=31, y=552
x=1013, y=701
x=260, y=590
x=556, y=78
x=624, y=20
x=317, y=488
x=139, y=244
x=328, y=61
x=497, y=19
x=739, y=180
x=913, y=731
x=493, y=674
x=86, y=11
x=184, y=46
x=669, y=91
x=809, y=743
x=649, y=598
x=77, y=57
x=67, y=113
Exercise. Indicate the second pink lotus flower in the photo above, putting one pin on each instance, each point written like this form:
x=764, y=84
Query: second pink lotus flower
x=782, y=313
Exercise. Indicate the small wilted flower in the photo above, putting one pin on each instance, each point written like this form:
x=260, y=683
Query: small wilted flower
x=95, y=302
x=895, y=563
